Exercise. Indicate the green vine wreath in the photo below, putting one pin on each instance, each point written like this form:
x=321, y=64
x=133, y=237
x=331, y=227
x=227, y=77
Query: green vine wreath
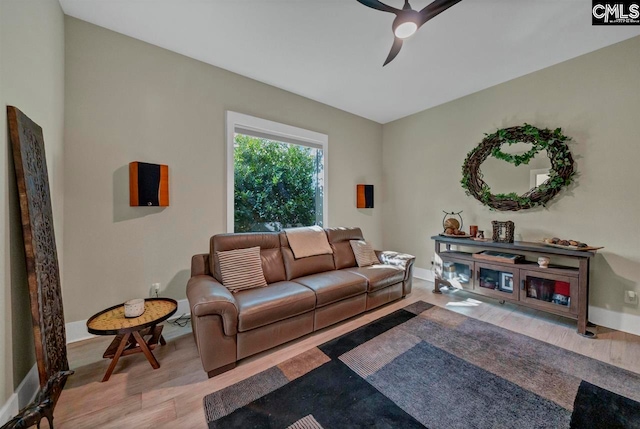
x=560, y=175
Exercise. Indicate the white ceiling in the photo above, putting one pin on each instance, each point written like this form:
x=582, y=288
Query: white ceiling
x=332, y=51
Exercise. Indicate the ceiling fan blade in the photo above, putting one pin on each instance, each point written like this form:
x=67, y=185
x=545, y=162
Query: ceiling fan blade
x=436, y=8
x=395, y=50
x=375, y=4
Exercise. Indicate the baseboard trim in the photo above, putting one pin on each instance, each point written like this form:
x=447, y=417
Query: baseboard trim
x=183, y=309
x=23, y=395
x=9, y=409
x=423, y=273
x=624, y=322
x=77, y=331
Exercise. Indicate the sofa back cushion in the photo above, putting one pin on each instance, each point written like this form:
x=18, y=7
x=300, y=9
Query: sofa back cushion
x=270, y=254
x=339, y=240
x=303, y=266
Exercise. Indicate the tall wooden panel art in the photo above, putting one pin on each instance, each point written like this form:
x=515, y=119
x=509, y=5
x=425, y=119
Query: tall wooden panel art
x=40, y=248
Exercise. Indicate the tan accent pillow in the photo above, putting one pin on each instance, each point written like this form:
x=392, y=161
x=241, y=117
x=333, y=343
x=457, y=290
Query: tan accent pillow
x=241, y=269
x=364, y=253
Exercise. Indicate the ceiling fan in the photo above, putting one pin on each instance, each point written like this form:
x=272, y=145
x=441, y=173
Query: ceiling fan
x=408, y=20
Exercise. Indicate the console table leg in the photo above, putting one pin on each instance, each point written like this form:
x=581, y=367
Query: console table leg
x=583, y=300
x=587, y=334
x=436, y=285
x=436, y=282
x=582, y=327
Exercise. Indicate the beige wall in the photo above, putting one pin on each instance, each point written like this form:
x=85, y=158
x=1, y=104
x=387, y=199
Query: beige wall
x=32, y=79
x=595, y=98
x=130, y=101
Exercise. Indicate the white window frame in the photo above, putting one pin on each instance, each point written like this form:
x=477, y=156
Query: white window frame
x=278, y=131
x=533, y=176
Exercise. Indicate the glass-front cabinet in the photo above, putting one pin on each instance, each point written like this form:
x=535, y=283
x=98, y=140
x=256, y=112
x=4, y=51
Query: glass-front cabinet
x=497, y=281
x=456, y=273
x=550, y=291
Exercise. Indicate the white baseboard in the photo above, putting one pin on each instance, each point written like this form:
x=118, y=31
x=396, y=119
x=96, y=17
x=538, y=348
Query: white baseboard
x=423, y=273
x=183, y=308
x=23, y=395
x=77, y=331
x=9, y=409
x=624, y=322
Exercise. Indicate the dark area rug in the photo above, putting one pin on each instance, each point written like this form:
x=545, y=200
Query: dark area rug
x=425, y=366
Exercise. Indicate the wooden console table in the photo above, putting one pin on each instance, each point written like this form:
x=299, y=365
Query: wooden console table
x=558, y=289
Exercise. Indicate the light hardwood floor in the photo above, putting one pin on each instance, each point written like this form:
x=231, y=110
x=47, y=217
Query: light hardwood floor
x=171, y=397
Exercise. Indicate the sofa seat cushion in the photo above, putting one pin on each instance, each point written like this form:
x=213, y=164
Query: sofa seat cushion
x=278, y=301
x=333, y=286
x=379, y=276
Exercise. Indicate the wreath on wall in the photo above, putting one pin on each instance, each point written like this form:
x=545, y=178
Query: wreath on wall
x=561, y=172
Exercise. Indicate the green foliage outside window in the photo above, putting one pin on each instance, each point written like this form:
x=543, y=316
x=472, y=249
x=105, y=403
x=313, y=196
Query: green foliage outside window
x=276, y=185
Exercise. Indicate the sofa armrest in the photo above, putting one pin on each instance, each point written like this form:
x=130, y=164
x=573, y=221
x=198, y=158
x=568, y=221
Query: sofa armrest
x=403, y=260
x=208, y=297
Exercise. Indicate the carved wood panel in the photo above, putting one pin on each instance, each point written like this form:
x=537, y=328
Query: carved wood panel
x=40, y=245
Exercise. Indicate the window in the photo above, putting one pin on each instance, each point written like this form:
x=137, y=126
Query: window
x=276, y=175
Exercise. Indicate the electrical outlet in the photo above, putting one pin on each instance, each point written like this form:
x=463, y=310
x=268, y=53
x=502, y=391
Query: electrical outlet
x=630, y=297
x=155, y=290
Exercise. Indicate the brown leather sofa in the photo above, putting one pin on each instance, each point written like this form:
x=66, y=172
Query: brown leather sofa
x=302, y=296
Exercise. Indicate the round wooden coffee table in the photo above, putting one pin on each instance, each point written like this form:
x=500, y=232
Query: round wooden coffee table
x=133, y=335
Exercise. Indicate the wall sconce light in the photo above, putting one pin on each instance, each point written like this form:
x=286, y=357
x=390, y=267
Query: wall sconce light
x=364, y=198
x=148, y=184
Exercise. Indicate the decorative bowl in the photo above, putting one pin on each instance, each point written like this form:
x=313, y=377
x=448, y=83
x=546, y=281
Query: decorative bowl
x=134, y=307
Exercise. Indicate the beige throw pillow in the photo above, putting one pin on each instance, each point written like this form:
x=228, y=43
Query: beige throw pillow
x=308, y=241
x=365, y=255
x=241, y=269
